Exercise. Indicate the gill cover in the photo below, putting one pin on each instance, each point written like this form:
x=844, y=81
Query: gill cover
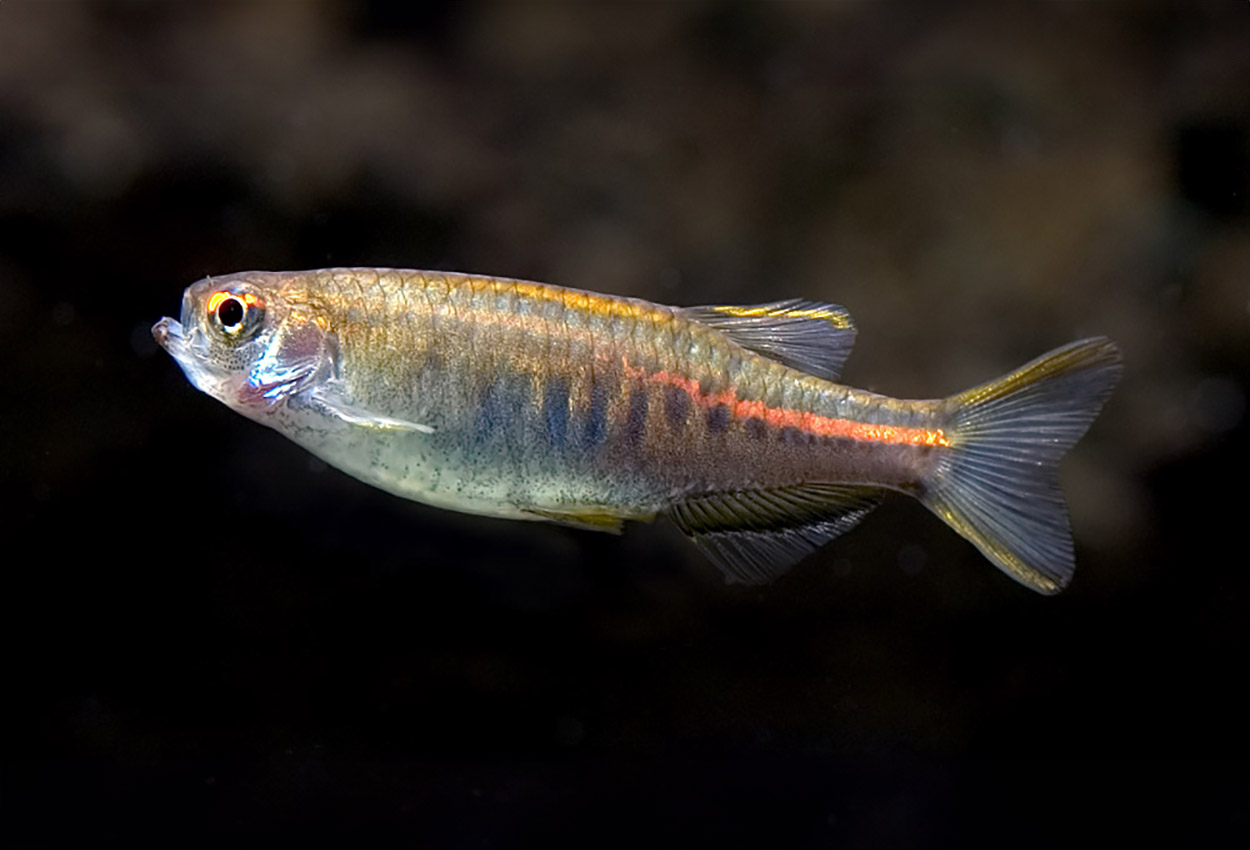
x=298, y=354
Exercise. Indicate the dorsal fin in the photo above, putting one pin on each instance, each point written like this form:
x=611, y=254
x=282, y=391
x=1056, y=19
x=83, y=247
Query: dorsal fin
x=754, y=536
x=808, y=335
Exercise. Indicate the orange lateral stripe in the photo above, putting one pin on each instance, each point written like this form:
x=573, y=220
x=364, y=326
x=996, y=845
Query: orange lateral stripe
x=803, y=420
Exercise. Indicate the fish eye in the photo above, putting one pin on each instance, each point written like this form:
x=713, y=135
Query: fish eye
x=230, y=313
x=233, y=312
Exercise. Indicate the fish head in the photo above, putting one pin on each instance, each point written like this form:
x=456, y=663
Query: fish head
x=243, y=341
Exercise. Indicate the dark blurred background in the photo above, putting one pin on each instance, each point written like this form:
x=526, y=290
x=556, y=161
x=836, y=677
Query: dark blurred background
x=210, y=635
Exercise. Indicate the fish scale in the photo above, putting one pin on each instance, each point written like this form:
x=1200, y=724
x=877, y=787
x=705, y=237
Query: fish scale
x=525, y=400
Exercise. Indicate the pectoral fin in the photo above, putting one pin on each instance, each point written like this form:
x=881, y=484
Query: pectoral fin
x=585, y=519
x=754, y=536
x=327, y=399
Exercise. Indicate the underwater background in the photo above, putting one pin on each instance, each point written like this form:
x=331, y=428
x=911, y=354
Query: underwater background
x=210, y=636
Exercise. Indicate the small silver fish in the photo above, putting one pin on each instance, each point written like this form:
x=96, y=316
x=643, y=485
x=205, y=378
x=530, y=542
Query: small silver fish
x=529, y=401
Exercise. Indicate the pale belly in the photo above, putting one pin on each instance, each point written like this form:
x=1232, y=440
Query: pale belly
x=449, y=470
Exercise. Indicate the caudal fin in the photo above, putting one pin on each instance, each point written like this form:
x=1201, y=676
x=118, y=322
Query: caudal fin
x=998, y=484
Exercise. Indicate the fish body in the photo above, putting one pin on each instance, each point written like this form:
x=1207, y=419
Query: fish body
x=523, y=400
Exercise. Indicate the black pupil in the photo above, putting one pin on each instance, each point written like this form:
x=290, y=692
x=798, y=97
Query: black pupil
x=230, y=312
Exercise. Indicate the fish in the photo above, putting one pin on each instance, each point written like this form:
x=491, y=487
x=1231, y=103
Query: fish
x=530, y=401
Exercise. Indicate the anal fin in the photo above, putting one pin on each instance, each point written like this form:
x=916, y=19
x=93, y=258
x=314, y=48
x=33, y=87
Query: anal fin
x=754, y=536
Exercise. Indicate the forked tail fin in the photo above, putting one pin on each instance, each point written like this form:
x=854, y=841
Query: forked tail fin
x=998, y=484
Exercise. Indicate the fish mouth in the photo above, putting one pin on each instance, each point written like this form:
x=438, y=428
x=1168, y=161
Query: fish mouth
x=187, y=348
x=167, y=333
x=183, y=345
